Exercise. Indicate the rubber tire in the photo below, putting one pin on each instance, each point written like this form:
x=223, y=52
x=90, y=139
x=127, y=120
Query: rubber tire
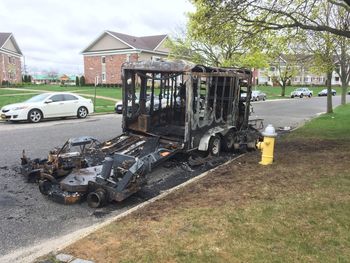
x=310, y=95
x=301, y=95
x=33, y=111
x=83, y=110
x=214, y=148
x=228, y=142
x=292, y=96
x=333, y=93
x=264, y=98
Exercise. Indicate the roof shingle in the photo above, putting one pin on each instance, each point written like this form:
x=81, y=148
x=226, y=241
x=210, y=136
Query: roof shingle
x=3, y=38
x=147, y=42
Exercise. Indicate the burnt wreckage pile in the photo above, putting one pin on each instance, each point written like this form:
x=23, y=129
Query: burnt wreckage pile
x=168, y=108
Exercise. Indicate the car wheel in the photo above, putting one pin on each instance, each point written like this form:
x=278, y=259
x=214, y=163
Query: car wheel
x=35, y=115
x=292, y=96
x=215, y=146
x=333, y=93
x=264, y=98
x=310, y=95
x=301, y=95
x=82, y=112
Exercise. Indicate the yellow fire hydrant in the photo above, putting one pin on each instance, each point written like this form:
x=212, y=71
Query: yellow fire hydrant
x=267, y=146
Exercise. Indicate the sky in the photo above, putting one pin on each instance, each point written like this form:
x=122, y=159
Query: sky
x=52, y=33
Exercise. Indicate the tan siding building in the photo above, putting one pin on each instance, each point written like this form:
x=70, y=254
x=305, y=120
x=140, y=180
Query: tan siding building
x=104, y=57
x=10, y=59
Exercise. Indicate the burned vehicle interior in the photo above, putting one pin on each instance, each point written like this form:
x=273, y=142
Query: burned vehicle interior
x=170, y=107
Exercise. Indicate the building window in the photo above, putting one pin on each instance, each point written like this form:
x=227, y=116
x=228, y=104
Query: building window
x=337, y=79
x=103, y=60
x=306, y=79
x=103, y=76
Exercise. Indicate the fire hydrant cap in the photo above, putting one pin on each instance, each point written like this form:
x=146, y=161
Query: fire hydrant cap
x=269, y=131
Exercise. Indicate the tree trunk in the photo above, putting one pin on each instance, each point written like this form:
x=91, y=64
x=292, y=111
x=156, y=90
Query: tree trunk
x=283, y=93
x=344, y=88
x=329, y=92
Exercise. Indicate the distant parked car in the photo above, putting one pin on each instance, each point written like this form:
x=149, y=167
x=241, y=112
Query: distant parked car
x=48, y=105
x=258, y=95
x=325, y=91
x=255, y=96
x=301, y=92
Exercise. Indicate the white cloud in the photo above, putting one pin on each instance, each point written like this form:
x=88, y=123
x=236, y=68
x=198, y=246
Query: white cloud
x=51, y=33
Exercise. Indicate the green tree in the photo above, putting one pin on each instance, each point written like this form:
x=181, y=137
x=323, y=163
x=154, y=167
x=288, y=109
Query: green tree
x=76, y=81
x=261, y=15
x=207, y=41
x=82, y=81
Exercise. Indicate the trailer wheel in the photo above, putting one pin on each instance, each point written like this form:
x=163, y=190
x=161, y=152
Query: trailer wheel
x=97, y=199
x=229, y=141
x=215, y=146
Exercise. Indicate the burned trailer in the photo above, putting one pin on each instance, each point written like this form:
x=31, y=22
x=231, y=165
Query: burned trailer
x=197, y=106
x=171, y=107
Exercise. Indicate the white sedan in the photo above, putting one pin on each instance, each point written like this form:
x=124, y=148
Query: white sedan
x=48, y=105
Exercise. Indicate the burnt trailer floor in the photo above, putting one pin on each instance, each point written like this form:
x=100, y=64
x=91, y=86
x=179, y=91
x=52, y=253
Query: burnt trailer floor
x=22, y=203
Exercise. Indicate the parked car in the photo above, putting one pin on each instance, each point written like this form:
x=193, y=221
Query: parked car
x=48, y=105
x=301, y=92
x=258, y=95
x=325, y=91
x=119, y=105
x=255, y=96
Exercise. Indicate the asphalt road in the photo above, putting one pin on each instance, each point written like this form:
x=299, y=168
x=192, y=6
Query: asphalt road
x=27, y=217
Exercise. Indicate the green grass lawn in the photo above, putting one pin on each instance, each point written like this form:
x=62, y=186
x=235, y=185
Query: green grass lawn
x=100, y=91
x=335, y=126
x=275, y=92
x=101, y=106
x=13, y=99
x=7, y=92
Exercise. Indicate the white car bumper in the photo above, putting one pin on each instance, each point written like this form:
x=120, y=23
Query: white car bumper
x=14, y=115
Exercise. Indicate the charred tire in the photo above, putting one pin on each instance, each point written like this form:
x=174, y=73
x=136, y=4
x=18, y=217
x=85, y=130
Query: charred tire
x=214, y=148
x=97, y=199
x=82, y=112
x=45, y=186
x=229, y=141
x=35, y=115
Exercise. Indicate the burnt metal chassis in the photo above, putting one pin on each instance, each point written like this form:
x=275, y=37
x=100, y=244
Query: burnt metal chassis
x=119, y=175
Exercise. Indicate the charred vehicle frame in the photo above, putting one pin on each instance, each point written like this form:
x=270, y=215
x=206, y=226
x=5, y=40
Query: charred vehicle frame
x=169, y=107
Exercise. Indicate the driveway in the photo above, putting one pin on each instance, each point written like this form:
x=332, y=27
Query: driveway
x=27, y=217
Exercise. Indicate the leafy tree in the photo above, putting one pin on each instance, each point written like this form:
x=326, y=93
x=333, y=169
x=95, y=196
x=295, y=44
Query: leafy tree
x=260, y=15
x=342, y=52
x=82, y=81
x=76, y=81
x=206, y=42
x=29, y=78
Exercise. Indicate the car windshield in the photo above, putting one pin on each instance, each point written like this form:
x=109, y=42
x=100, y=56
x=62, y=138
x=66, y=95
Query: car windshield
x=300, y=89
x=38, y=98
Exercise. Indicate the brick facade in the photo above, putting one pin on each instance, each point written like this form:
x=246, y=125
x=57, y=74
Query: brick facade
x=112, y=68
x=10, y=68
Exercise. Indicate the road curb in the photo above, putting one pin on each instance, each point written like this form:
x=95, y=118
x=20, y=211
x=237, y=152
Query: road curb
x=30, y=254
